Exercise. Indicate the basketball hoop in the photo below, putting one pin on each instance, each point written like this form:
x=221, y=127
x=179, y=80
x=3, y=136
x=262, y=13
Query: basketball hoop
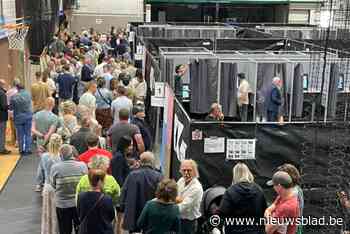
x=16, y=35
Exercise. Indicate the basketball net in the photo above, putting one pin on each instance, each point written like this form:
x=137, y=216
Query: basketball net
x=16, y=37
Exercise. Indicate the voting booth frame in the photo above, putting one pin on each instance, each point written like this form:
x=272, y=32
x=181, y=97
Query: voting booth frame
x=319, y=150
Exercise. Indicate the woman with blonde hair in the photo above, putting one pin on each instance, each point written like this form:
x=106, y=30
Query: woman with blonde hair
x=68, y=121
x=243, y=199
x=48, y=159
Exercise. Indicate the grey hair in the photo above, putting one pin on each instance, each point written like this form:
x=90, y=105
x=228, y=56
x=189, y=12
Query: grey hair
x=66, y=152
x=241, y=173
x=147, y=159
x=276, y=79
x=99, y=162
x=193, y=164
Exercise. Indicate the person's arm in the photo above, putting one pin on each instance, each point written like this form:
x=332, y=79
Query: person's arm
x=53, y=175
x=3, y=102
x=35, y=131
x=109, y=209
x=226, y=205
x=270, y=228
x=188, y=201
x=139, y=142
x=142, y=220
x=115, y=190
x=52, y=129
x=276, y=97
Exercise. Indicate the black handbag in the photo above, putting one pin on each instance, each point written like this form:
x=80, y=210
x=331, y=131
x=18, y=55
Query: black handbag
x=83, y=224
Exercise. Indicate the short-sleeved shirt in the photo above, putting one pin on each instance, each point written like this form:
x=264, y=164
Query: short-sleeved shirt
x=88, y=100
x=286, y=209
x=119, y=130
x=44, y=120
x=118, y=104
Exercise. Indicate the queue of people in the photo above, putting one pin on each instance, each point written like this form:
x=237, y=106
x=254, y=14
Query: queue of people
x=97, y=171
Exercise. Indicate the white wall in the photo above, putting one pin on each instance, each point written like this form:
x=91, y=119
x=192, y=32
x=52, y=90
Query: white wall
x=111, y=7
x=102, y=14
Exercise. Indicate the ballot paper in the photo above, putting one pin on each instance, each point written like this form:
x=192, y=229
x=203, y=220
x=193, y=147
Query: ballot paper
x=240, y=149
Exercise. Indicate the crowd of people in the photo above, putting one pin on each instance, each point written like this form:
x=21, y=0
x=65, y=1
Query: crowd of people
x=85, y=118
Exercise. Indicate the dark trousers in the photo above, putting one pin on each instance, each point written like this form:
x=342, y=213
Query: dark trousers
x=243, y=112
x=2, y=135
x=272, y=116
x=67, y=218
x=188, y=226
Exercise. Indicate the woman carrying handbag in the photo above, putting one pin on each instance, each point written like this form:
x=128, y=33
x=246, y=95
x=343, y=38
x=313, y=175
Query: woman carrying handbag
x=95, y=210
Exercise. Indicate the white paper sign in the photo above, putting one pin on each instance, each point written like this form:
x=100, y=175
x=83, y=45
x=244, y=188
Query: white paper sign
x=157, y=101
x=214, y=145
x=240, y=149
x=159, y=89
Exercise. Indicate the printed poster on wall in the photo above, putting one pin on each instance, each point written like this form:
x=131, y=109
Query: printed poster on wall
x=214, y=145
x=240, y=149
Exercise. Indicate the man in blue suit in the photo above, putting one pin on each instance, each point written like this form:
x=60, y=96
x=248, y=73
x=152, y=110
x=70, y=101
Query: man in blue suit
x=274, y=100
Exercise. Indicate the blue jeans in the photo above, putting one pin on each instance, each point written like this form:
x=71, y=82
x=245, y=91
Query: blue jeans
x=24, y=136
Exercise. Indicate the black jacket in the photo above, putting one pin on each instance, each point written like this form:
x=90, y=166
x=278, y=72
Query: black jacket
x=3, y=106
x=78, y=140
x=139, y=187
x=243, y=200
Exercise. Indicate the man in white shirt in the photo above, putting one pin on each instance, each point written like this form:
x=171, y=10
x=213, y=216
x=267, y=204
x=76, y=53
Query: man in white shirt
x=88, y=99
x=140, y=86
x=243, y=97
x=121, y=102
x=190, y=196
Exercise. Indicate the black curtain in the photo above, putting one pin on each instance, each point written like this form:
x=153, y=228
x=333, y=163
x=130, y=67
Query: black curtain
x=203, y=84
x=298, y=91
x=228, y=88
x=332, y=92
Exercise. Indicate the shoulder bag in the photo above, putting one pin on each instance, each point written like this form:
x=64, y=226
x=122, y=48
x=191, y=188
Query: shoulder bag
x=83, y=225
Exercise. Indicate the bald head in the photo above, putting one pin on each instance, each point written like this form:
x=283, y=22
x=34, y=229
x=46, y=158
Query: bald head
x=50, y=103
x=147, y=158
x=282, y=178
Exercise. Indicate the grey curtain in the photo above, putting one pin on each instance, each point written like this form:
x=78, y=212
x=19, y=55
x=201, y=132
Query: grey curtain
x=203, y=84
x=228, y=89
x=169, y=76
x=298, y=91
x=265, y=74
x=332, y=92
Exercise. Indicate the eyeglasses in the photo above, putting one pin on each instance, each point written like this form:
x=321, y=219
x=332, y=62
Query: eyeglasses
x=186, y=170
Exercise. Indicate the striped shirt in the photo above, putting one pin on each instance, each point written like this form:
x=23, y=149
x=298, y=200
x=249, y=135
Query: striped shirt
x=64, y=178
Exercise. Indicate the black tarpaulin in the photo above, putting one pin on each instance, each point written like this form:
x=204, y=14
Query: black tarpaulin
x=298, y=91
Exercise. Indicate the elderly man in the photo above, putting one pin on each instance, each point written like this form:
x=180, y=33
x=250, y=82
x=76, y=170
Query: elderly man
x=21, y=104
x=274, y=100
x=139, y=187
x=64, y=178
x=215, y=113
x=3, y=117
x=284, y=207
x=190, y=196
